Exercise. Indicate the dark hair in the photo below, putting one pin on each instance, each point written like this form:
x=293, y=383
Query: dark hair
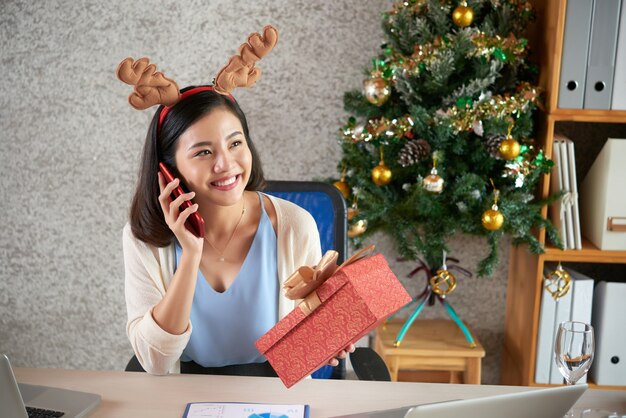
x=146, y=217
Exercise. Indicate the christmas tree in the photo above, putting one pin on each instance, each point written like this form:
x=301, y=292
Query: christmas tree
x=441, y=141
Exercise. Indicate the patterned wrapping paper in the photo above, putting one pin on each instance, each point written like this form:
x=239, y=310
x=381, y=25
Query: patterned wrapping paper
x=355, y=300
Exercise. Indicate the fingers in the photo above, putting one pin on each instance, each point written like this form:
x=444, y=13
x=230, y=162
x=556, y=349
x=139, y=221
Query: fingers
x=166, y=191
x=161, y=181
x=171, y=208
x=175, y=204
x=342, y=355
x=182, y=218
x=170, y=186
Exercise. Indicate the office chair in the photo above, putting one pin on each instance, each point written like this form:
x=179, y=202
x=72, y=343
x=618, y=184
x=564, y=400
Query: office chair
x=327, y=206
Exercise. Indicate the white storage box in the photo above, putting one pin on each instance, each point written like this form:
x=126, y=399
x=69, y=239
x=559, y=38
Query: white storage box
x=603, y=198
x=609, y=311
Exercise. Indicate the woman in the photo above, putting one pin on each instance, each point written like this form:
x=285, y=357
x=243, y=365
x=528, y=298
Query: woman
x=207, y=300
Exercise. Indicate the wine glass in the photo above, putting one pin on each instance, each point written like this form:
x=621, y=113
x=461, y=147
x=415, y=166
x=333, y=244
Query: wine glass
x=574, y=349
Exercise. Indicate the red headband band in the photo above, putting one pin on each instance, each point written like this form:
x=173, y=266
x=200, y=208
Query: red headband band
x=166, y=109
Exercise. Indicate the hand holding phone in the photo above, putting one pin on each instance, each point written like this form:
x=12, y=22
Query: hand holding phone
x=194, y=223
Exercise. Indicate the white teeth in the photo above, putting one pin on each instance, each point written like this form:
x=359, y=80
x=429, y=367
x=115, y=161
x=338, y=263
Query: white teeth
x=226, y=182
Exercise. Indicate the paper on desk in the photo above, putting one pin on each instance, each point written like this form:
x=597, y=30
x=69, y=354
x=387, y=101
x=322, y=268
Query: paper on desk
x=244, y=410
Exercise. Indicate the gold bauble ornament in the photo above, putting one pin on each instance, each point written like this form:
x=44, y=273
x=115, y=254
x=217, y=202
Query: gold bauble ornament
x=357, y=228
x=343, y=187
x=509, y=148
x=352, y=212
x=376, y=90
x=463, y=15
x=443, y=283
x=557, y=282
x=433, y=182
x=492, y=219
x=381, y=174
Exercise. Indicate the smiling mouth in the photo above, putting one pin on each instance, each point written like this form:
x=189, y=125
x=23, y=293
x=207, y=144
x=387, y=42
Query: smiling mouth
x=226, y=182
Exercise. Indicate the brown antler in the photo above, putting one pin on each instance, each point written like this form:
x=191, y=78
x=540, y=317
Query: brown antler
x=240, y=70
x=151, y=86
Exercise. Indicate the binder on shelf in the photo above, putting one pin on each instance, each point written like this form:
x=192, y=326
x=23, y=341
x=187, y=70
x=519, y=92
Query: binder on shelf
x=573, y=193
x=582, y=300
x=576, y=305
x=544, y=361
x=582, y=296
x=609, y=361
x=574, y=56
x=618, y=101
x=566, y=200
x=602, y=50
x=557, y=215
x=602, y=198
x=562, y=313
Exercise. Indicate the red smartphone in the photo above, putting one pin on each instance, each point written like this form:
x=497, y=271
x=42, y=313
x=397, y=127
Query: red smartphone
x=194, y=223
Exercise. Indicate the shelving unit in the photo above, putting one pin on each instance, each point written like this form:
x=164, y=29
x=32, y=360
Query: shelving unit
x=526, y=269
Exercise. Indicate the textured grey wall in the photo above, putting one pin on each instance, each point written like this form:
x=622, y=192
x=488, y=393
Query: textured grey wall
x=70, y=146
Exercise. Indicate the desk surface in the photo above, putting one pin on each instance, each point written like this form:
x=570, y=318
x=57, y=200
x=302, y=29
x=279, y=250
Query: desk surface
x=139, y=395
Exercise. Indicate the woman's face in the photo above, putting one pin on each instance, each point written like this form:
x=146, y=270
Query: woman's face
x=213, y=158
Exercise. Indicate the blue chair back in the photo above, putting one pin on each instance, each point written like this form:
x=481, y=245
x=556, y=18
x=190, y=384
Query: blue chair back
x=327, y=206
x=325, y=203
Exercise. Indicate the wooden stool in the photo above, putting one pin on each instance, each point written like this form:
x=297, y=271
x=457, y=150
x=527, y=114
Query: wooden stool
x=433, y=345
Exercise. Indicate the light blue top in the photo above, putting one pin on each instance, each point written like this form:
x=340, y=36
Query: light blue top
x=226, y=325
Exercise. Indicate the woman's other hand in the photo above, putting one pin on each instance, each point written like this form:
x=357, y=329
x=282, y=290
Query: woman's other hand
x=341, y=355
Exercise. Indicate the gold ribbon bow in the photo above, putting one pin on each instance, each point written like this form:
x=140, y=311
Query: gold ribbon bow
x=304, y=281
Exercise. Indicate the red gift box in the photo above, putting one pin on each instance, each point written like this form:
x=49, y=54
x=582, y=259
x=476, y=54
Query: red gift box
x=355, y=298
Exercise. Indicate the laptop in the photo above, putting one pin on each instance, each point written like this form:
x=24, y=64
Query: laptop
x=540, y=403
x=16, y=399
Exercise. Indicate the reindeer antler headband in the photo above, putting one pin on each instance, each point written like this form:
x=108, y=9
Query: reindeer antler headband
x=152, y=87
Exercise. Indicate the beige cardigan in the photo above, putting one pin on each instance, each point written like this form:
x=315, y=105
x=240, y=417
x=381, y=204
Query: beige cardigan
x=148, y=271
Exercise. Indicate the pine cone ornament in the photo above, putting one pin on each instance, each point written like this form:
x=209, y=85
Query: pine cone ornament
x=413, y=152
x=493, y=145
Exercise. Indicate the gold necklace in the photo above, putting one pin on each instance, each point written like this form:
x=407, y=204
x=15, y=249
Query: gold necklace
x=221, y=253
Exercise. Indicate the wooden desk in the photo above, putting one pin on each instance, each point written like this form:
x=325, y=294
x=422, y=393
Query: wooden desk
x=430, y=344
x=141, y=395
